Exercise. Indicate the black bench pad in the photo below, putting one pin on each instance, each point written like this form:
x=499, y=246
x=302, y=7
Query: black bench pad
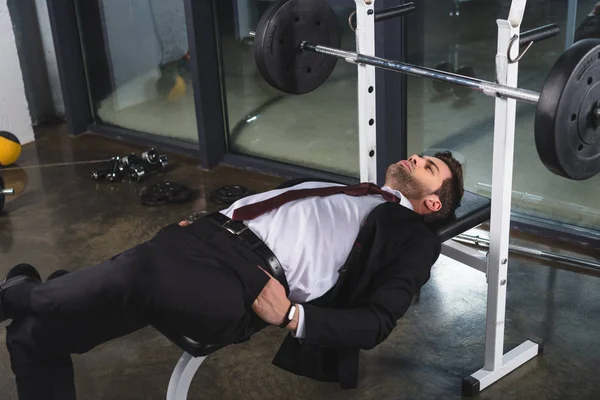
x=473, y=211
x=190, y=346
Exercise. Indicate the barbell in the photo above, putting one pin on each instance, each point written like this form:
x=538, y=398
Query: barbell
x=3, y=193
x=297, y=47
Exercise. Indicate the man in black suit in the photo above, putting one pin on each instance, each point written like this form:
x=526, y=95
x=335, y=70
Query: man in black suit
x=335, y=265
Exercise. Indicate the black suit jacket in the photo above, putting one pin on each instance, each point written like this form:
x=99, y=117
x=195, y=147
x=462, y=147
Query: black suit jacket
x=390, y=261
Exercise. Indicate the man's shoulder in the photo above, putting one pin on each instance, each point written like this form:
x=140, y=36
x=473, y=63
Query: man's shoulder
x=389, y=210
x=399, y=220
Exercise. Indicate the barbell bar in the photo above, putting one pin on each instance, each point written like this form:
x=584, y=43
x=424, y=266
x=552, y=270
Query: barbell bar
x=486, y=87
x=4, y=192
x=297, y=45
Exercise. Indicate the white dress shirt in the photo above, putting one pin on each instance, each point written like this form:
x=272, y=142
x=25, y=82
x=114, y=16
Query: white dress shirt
x=312, y=237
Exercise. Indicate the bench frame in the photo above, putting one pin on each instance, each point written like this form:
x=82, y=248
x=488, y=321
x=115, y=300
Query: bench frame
x=495, y=263
x=182, y=376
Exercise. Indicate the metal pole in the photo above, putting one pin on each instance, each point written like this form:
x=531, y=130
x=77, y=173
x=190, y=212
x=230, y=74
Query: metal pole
x=488, y=88
x=502, y=169
x=367, y=124
x=10, y=192
x=482, y=242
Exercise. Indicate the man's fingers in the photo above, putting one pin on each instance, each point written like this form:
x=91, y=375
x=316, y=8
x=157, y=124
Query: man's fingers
x=184, y=223
x=263, y=270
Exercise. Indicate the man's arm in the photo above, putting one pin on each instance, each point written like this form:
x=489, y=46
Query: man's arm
x=390, y=294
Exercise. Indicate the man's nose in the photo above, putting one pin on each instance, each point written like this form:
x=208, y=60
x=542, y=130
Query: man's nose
x=414, y=160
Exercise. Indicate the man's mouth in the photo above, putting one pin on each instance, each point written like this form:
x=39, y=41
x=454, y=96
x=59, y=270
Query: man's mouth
x=406, y=165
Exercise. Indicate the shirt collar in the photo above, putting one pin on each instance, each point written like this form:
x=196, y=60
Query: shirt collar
x=403, y=200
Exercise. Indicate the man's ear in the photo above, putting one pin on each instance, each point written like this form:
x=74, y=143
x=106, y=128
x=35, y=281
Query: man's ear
x=433, y=203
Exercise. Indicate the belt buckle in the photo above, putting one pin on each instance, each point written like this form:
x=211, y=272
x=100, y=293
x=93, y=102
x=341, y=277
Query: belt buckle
x=233, y=231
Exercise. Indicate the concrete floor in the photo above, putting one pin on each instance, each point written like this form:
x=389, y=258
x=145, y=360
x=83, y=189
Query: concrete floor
x=60, y=218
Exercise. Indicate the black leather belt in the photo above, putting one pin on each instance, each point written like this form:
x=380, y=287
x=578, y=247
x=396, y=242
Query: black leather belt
x=253, y=242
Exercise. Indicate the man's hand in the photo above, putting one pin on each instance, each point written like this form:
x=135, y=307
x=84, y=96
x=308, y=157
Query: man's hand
x=184, y=223
x=272, y=304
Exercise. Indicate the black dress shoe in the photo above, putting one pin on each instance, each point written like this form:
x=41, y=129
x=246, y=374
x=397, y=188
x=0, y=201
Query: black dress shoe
x=23, y=270
x=56, y=274
x=17, y=275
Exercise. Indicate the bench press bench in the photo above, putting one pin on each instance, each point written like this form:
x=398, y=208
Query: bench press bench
x=473, y=211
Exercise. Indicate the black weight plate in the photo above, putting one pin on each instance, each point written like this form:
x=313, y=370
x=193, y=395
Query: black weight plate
x=259, y=35
x=440, y=86
x=229, y=194
x=463, y=91
x=2, y=197
x=279, y=34
x=165, y=193
x=567, y=136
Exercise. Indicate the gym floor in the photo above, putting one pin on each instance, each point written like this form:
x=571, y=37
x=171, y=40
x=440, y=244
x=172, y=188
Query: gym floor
x=60, y=218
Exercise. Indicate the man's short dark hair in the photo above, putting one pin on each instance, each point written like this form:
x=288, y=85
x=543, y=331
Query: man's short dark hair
x=452, y=189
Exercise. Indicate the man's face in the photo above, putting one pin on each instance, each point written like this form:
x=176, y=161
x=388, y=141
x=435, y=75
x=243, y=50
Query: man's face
x=418, y=178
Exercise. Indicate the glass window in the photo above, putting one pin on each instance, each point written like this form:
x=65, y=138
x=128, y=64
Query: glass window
x=316, y=130
x=138, y=66
x=464, y=35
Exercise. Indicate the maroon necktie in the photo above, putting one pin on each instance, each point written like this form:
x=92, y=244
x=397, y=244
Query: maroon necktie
x=252, y=211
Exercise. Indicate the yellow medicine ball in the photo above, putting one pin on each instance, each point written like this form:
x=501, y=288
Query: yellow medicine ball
x=178, y=90
x=10, y=148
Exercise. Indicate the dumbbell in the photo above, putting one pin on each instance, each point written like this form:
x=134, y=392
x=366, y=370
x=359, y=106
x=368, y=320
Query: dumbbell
x=133, y=167
x=119, y=165
x=3, y=193
x=151, y=162
x=444, y=87
x=114, y=173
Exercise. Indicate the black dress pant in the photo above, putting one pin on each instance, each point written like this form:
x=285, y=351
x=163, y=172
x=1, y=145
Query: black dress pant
x=195, y=280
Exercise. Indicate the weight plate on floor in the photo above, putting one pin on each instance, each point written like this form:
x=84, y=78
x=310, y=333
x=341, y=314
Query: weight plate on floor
x=462, y=91
x=279, y=34
x=229, y=194
x=567, y=121
x=165, y=193
x=440, y=86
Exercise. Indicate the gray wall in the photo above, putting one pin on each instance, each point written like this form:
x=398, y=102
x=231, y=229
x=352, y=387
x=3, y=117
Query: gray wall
x=50, y=56
x=14, y=112
x=37, y=58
